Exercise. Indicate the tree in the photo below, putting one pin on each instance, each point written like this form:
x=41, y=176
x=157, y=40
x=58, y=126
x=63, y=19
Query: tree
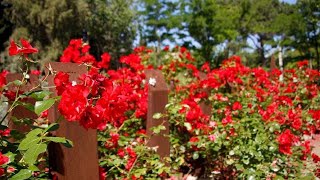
x=50, y=24
x=308, y=38
x=161, y=22
x=110, y=26
x=5, y=26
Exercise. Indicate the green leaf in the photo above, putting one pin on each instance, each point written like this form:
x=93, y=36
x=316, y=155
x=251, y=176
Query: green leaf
x=52, y=127
x=68, y=143
x=34, y=133
x=41, y=106
x=22, y=174
x=30, y=140
x=17, y=82
x=40, y=95
x=32, y=167
x=157, y=116
x=56, y=139
x=28, y=106
x=33, y=152
x=157, y=129
x=28, y=143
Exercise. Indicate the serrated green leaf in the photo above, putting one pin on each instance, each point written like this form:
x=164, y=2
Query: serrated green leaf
x=41, y=106
x=52, y=127
x=33, y=152
x=22, y=174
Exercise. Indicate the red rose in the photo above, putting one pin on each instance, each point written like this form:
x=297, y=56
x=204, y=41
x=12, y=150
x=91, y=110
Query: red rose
x=286, y=139
x=3, y=159
x=236, y=106
x=73, y=102
x=61, y=80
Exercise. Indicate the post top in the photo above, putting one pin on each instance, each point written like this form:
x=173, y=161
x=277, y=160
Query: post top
x=155, y=80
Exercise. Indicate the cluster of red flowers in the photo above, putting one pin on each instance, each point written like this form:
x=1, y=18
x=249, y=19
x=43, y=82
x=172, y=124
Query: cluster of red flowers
x=78, y=52
x=274, y=100
x=117, y=95
x=286, y=140
x=24, y=50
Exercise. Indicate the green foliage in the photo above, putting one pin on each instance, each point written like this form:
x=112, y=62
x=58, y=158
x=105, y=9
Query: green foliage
x=41, y=106
x=51, y=23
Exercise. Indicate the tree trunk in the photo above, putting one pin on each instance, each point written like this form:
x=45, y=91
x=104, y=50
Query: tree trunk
x=317, y=51
x=281, y=63
x=261, y=50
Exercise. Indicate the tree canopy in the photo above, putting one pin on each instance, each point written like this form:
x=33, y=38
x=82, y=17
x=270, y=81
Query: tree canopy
x=213, y=29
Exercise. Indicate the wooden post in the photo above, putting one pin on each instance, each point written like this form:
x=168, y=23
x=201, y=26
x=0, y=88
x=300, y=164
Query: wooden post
x=80, y=161
x=206, y=108
x=157, y=100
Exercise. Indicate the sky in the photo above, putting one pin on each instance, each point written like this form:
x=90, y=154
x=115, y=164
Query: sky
x=167, y=42
x=290, y=1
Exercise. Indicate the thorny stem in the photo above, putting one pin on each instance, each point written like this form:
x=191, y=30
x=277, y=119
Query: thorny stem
x=17, y=98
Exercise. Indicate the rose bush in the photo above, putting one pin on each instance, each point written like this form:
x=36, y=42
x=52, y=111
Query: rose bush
x=225, y=123
x=229, y=122
x=24, y=140
x=257, y=127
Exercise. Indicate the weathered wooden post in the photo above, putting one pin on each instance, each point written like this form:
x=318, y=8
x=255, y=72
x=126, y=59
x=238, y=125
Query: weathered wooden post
x=157, y=100
x=81, y=161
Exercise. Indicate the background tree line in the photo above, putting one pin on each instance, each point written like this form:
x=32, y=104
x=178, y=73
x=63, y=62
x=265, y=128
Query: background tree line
x=212, y=29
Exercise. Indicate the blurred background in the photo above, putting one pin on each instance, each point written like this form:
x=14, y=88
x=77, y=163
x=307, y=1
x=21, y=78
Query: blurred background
x=256, y=30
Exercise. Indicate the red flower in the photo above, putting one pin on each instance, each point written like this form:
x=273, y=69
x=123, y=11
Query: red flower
x=85, y=48
x=315, y=158
x=121, y=153
x=5, y=132
x=102, y=173
x=35, y=72
x=3, y=75
x=236, y=106
x=73, y=102
x=25, y=50
x=303, y=63
x=286, y=140
x=194, y=139
x=3, y=159
x=105, y=60
x=205, y=67
x=13, y=49
x=1, y=172
x=227, y=120
x=61, y=80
